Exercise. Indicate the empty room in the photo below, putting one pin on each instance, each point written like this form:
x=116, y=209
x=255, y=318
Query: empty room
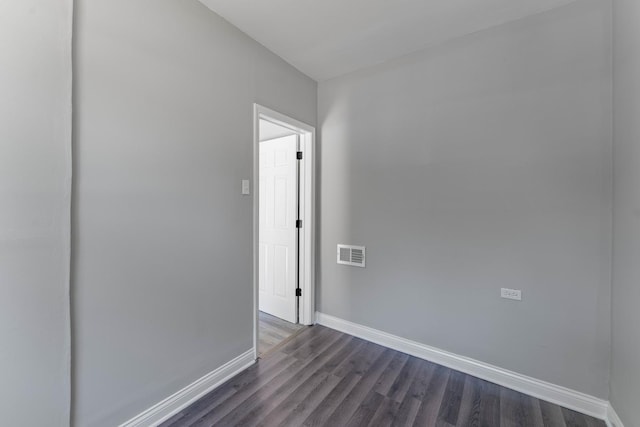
x=328, y=213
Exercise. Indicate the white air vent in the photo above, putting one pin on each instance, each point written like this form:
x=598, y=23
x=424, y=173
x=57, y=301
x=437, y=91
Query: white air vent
x=351, y=255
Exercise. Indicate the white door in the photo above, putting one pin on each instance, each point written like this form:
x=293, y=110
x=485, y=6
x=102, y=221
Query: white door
x=278, y=234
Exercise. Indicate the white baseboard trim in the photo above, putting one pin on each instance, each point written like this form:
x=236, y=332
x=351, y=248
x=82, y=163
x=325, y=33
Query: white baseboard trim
x=559, y=395
x=613, y=420
x=194, y=391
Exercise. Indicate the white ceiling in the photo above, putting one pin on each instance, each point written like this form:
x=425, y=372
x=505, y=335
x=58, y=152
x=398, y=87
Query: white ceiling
x=270, y=130
x=328, y=38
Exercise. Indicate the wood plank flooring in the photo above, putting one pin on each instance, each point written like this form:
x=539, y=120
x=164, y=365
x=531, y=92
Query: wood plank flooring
x=322, y=377
x=272, y=331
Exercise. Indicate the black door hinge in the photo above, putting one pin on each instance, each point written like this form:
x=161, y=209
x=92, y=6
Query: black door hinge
x=299, y=155
x=298, y=223
x=298, y=292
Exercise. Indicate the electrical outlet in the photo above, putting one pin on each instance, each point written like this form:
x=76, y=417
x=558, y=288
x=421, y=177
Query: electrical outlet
x=511, y=294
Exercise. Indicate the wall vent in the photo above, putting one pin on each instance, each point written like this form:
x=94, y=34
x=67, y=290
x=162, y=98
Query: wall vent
x=351, y=255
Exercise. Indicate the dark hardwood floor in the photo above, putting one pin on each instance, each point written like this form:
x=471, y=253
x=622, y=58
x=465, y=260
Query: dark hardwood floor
x=322, y=377
x=272, y=331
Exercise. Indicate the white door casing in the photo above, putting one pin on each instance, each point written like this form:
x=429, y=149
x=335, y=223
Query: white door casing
x=306, y=206
x=277, y=224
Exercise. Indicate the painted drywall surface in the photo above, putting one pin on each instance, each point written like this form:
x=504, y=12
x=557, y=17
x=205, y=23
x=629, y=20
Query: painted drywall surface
x=162, y=277
x=479, y=164
x=625, y=360
x=35, y=188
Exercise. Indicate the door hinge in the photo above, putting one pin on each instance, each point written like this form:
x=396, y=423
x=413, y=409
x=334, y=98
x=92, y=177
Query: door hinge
x=299, y=155
x=298, y=292
x=298, y=223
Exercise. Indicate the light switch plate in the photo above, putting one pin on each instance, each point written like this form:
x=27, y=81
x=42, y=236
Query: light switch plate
x=513, y=294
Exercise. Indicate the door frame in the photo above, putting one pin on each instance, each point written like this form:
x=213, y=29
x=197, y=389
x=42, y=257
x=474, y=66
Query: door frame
x=307, y=184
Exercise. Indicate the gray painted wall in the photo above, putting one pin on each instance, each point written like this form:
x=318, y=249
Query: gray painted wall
x=481, y=163
x=625, y=361
x=35, y=192
x=162, y=279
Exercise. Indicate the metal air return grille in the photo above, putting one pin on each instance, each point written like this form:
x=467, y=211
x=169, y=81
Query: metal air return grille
x=351, y=255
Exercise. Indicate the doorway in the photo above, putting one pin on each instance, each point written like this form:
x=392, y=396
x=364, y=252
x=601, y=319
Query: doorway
x=283, y=228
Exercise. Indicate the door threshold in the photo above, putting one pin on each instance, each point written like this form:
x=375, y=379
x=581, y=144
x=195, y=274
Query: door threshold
x=282, y=343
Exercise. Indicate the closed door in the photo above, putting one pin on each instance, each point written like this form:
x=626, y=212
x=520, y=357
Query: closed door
x=278, y=233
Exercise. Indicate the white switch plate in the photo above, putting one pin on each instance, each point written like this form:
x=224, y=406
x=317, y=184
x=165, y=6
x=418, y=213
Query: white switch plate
x=245, y=187
x=513, y=294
